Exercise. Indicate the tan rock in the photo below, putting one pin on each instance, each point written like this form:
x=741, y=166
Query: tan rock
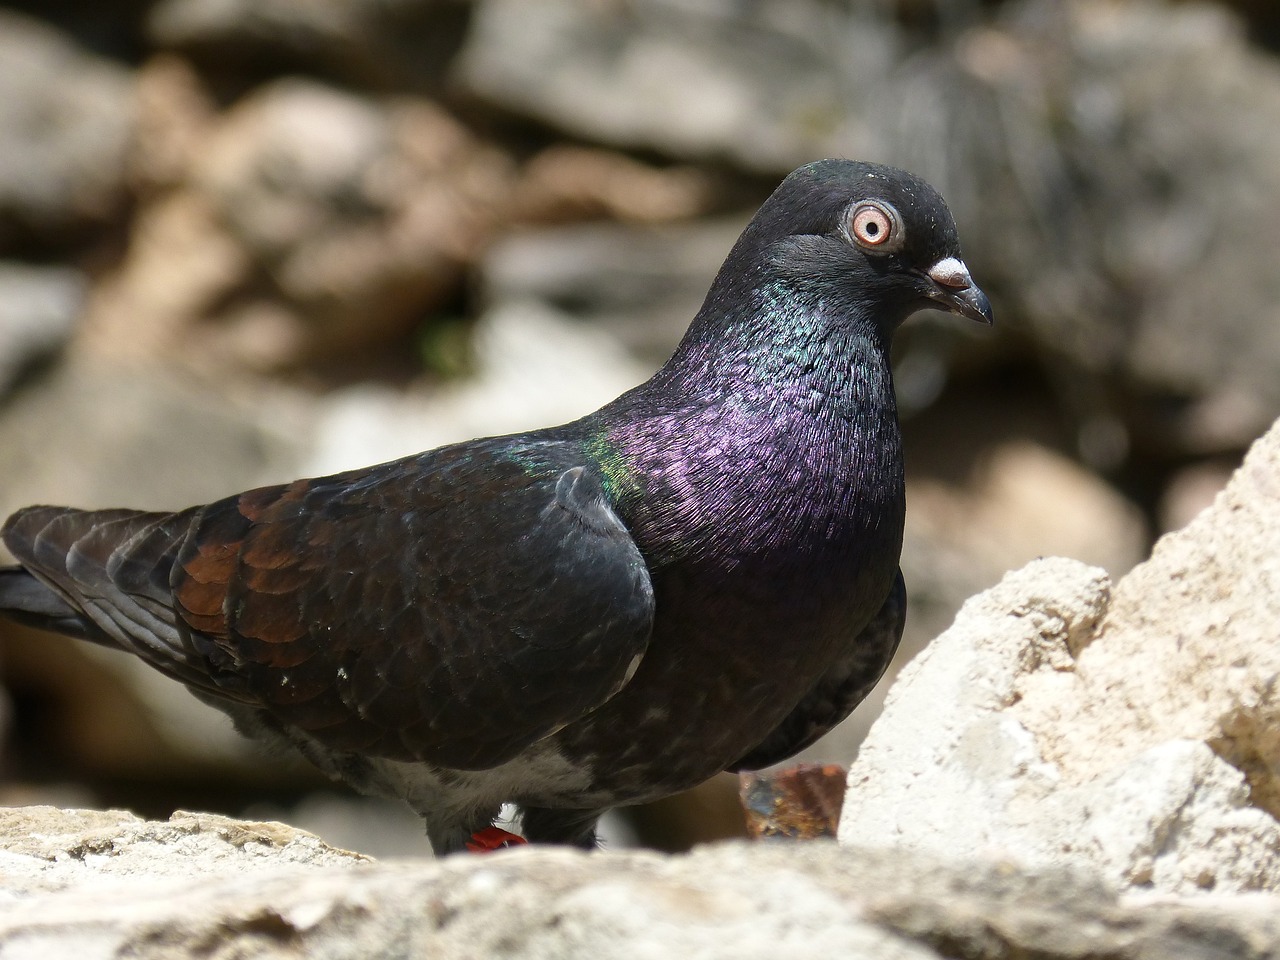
x=576, y=183
x=302, y=224
x=1025, y=501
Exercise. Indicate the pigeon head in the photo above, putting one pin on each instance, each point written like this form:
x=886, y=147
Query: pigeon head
x=873, y=240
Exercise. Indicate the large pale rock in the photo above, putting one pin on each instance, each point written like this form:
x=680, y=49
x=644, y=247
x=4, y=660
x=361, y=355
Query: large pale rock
x=1189, y=647
x=108, y=886
x=964, y=532
x=1136, y=731
x=43, y=850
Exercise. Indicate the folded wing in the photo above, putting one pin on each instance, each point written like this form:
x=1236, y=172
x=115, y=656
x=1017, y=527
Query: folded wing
x=452, y=608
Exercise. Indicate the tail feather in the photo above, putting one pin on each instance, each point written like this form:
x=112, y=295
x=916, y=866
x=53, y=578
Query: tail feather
x=25, y=600
x=101, y=575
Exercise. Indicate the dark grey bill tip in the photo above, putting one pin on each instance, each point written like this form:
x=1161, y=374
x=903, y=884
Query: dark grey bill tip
x=955, y=290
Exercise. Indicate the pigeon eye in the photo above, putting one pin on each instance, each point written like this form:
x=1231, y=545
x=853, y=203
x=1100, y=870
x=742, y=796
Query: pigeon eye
x=875, y=226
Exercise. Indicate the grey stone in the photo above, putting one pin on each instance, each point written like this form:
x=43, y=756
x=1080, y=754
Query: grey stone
x=44, y=850
x=375, y=43
x=642, y=284
x=729, y=900
x=763, y=83
x=39, y=307
x=65, y=121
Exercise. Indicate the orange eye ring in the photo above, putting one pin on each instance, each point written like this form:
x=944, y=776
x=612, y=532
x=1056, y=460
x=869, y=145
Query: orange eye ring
x=875, y=226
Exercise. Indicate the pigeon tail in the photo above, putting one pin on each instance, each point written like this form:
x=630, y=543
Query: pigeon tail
x=25, y=600
x=100, y=575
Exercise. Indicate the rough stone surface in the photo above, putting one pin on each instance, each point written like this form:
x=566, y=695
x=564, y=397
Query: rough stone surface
x=43, y=850
x=1189, y=647
x=964, y=532
x=205, y=895
x=1135, y=730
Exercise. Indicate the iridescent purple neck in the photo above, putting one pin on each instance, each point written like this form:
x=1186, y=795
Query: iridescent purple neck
x=780, y=438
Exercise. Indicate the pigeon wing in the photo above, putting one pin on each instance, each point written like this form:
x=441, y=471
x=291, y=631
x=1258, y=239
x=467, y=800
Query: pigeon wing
x=452, y=607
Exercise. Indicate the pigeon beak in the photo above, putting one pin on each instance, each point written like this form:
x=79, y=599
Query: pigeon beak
x=955, y=290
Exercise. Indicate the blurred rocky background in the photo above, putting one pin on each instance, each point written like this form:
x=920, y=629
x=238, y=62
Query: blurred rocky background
x=247, y=240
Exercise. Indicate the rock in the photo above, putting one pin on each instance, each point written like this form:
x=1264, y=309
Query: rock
x=65, y=121
x=640, y=283
x=44, y=850
x=749, y=901
x=1080, y=146
x=964, y=533
x=1189, y=646
x=310, y=225
x=177, y=117
x=770, y=84
x=1191, y=490
x=1136, y=731
x=100, y=436
x=1088, y=170
x=39, y=307
x=570, y=183
x=404, y=44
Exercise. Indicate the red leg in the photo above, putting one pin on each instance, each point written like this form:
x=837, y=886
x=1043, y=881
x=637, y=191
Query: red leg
x=493, y=838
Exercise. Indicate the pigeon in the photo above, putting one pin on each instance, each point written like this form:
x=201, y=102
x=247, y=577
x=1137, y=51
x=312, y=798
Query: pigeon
x=701, y=576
